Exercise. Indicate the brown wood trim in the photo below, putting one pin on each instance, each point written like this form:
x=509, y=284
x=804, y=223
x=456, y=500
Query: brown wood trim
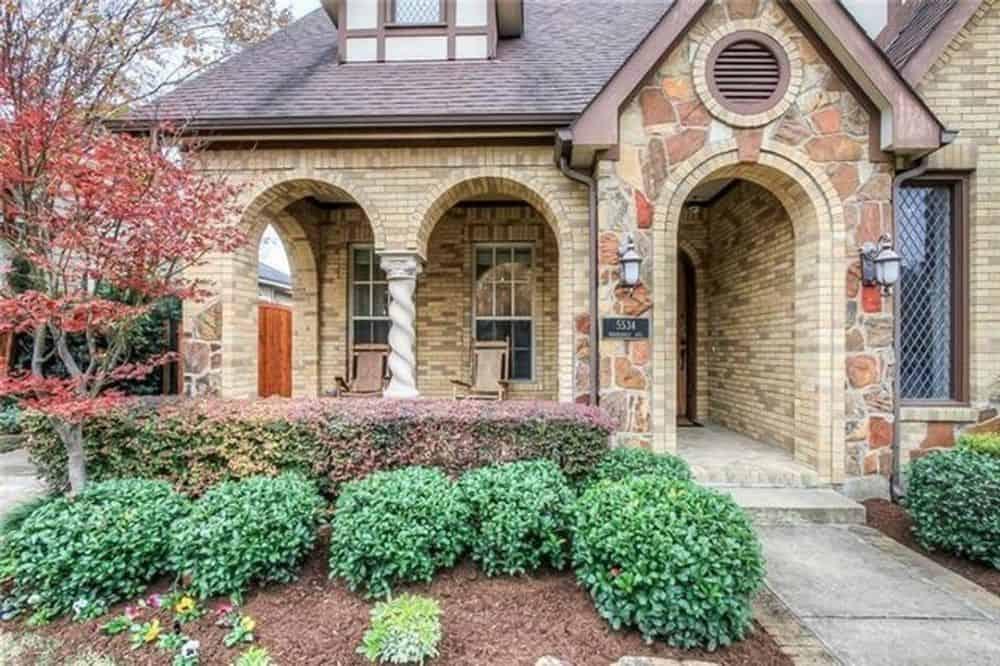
x=927, y=54
x=959, y=182
x=766, y=42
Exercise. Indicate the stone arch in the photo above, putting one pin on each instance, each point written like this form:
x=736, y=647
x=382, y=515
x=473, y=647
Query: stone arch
x=497, y=181
x=820, y=245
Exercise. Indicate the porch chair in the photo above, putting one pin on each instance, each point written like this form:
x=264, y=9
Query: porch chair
x=489, y=373
x=369, y=372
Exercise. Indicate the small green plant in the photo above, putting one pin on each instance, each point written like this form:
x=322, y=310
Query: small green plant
x=954, y=500
x=678, y=562
x=521, y=515
x=397, y=527
x=255, y=656
x=627, y=462
x=85, y=553
x=240, y=631
x=10, y=420
x=242, y=531
x=404, y=630
x=988, y=443
x=146, y=633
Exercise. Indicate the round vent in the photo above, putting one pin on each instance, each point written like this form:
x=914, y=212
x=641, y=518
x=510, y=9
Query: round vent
x=748, y=72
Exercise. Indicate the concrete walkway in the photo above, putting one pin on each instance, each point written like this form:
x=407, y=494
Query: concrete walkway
x=874, y=602
x=18, y=482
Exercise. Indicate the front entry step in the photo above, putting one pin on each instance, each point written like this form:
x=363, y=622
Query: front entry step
x=779, y=474
x=797, y=506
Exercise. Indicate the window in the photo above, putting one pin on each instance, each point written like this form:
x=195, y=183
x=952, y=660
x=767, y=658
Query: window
x=369, y=298
x=417, y=12
x=932, y=291
x=504, y=303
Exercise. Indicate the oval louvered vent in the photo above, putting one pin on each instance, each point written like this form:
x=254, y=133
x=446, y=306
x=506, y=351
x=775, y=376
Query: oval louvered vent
x=748, y=74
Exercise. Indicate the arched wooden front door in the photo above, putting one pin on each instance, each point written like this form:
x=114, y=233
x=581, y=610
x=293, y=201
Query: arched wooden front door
x=274, y=350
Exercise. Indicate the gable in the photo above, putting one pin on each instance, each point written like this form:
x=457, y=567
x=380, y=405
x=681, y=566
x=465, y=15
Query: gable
x=906, y=125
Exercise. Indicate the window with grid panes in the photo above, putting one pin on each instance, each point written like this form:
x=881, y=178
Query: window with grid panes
x=369, y=298
x=417, y=12
x=927, y=237
x=504, y=303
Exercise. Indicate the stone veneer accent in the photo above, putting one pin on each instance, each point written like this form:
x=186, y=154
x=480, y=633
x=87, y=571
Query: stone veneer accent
x=814, y=157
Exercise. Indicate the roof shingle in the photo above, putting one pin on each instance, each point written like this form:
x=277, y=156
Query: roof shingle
x=915, y=28
x=569, y=49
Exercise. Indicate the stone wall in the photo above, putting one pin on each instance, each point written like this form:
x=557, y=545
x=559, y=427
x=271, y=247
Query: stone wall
x=751, y=305
x=814, y=153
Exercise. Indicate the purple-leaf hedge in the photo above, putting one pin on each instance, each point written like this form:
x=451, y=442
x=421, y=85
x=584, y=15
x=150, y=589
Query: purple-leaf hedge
x=196, y=444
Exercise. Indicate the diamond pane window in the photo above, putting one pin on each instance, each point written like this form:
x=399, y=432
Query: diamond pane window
x=926, y=241
x=417, y=12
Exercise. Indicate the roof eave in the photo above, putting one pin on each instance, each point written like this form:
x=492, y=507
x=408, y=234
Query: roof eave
x=923, y=58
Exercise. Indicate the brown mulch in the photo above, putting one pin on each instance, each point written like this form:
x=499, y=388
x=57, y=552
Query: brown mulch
x=893, y=521
x=485, y=621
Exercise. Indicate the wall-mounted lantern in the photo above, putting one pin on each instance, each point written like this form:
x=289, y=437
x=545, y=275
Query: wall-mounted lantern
x=880, y=264
x=630, y=260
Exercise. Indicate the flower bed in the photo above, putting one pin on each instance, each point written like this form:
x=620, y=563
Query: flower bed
x=196, y=444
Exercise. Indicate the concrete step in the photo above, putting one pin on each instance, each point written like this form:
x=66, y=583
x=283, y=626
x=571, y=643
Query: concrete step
x=780, y=474
x=797, y=506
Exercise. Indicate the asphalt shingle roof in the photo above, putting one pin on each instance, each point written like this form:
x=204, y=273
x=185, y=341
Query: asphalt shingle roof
x=916, y=28
x=569, y=49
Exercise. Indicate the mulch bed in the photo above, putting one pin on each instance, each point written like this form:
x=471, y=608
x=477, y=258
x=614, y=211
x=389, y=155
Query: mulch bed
x=485, y=621
x=893, y=521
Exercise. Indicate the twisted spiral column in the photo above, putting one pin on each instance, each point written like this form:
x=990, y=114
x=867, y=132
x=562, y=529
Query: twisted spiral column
x=401, y=271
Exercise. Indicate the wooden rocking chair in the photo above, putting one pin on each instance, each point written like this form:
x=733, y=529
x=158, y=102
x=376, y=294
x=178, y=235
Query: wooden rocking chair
x=369, y=372
x=489, y=373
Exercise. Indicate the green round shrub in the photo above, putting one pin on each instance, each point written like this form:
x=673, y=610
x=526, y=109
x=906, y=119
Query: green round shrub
x=521, y=515
x=627, y=462
x=676, y=561
x=88, y=552
x=954, y=500
x=258, y=529
x=988, y=443
x=397, y=527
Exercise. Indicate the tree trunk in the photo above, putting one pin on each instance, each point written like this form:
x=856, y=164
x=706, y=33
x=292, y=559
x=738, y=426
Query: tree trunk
x=76, y=467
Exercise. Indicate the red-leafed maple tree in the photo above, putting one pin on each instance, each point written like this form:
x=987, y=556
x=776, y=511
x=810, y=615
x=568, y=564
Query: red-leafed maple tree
x=102, y=225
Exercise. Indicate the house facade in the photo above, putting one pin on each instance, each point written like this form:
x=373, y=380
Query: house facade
x=450, y=171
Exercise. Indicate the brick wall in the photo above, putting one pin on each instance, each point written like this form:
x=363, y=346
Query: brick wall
x=751, y=305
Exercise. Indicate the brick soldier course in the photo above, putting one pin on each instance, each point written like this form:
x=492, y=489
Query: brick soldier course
x=792, y=348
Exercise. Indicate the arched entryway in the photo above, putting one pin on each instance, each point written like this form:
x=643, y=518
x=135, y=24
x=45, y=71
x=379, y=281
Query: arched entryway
x=773, y=297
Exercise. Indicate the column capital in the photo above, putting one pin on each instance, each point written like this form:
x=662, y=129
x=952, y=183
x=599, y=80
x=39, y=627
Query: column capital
x=401, y=265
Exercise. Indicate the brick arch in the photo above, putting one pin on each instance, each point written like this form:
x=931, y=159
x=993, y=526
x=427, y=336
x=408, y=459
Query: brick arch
x=268, y=205
x=818, y=226
x=510, y=183
x=272, y=194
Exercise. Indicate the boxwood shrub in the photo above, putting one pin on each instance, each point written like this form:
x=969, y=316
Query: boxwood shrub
x=258, y=529
x=676, y=561
x=988, y=443
x=397, y=527
x=627, y=462
x=521, y=515
x=196, y=444
x=954, y=500
x=95, y=549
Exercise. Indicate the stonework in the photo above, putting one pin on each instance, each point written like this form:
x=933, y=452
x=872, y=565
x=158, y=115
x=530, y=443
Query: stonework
x=813, y=153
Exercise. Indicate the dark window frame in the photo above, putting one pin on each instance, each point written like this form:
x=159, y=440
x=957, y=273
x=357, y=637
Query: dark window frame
x=959, y=184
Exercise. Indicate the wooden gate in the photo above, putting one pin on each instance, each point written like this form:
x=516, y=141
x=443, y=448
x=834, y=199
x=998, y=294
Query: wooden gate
x=274, y=351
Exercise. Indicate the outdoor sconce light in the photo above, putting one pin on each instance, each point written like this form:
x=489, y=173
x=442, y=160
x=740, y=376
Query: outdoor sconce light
x=630, y=260
x=880, y=264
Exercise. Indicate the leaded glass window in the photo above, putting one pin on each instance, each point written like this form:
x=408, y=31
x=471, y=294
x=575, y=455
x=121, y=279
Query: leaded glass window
x=504, y=303
x=369, y=298
x=417, y=12
x=926, y=231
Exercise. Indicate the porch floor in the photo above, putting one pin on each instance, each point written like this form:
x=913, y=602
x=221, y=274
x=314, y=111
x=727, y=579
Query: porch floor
x=722, y=457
